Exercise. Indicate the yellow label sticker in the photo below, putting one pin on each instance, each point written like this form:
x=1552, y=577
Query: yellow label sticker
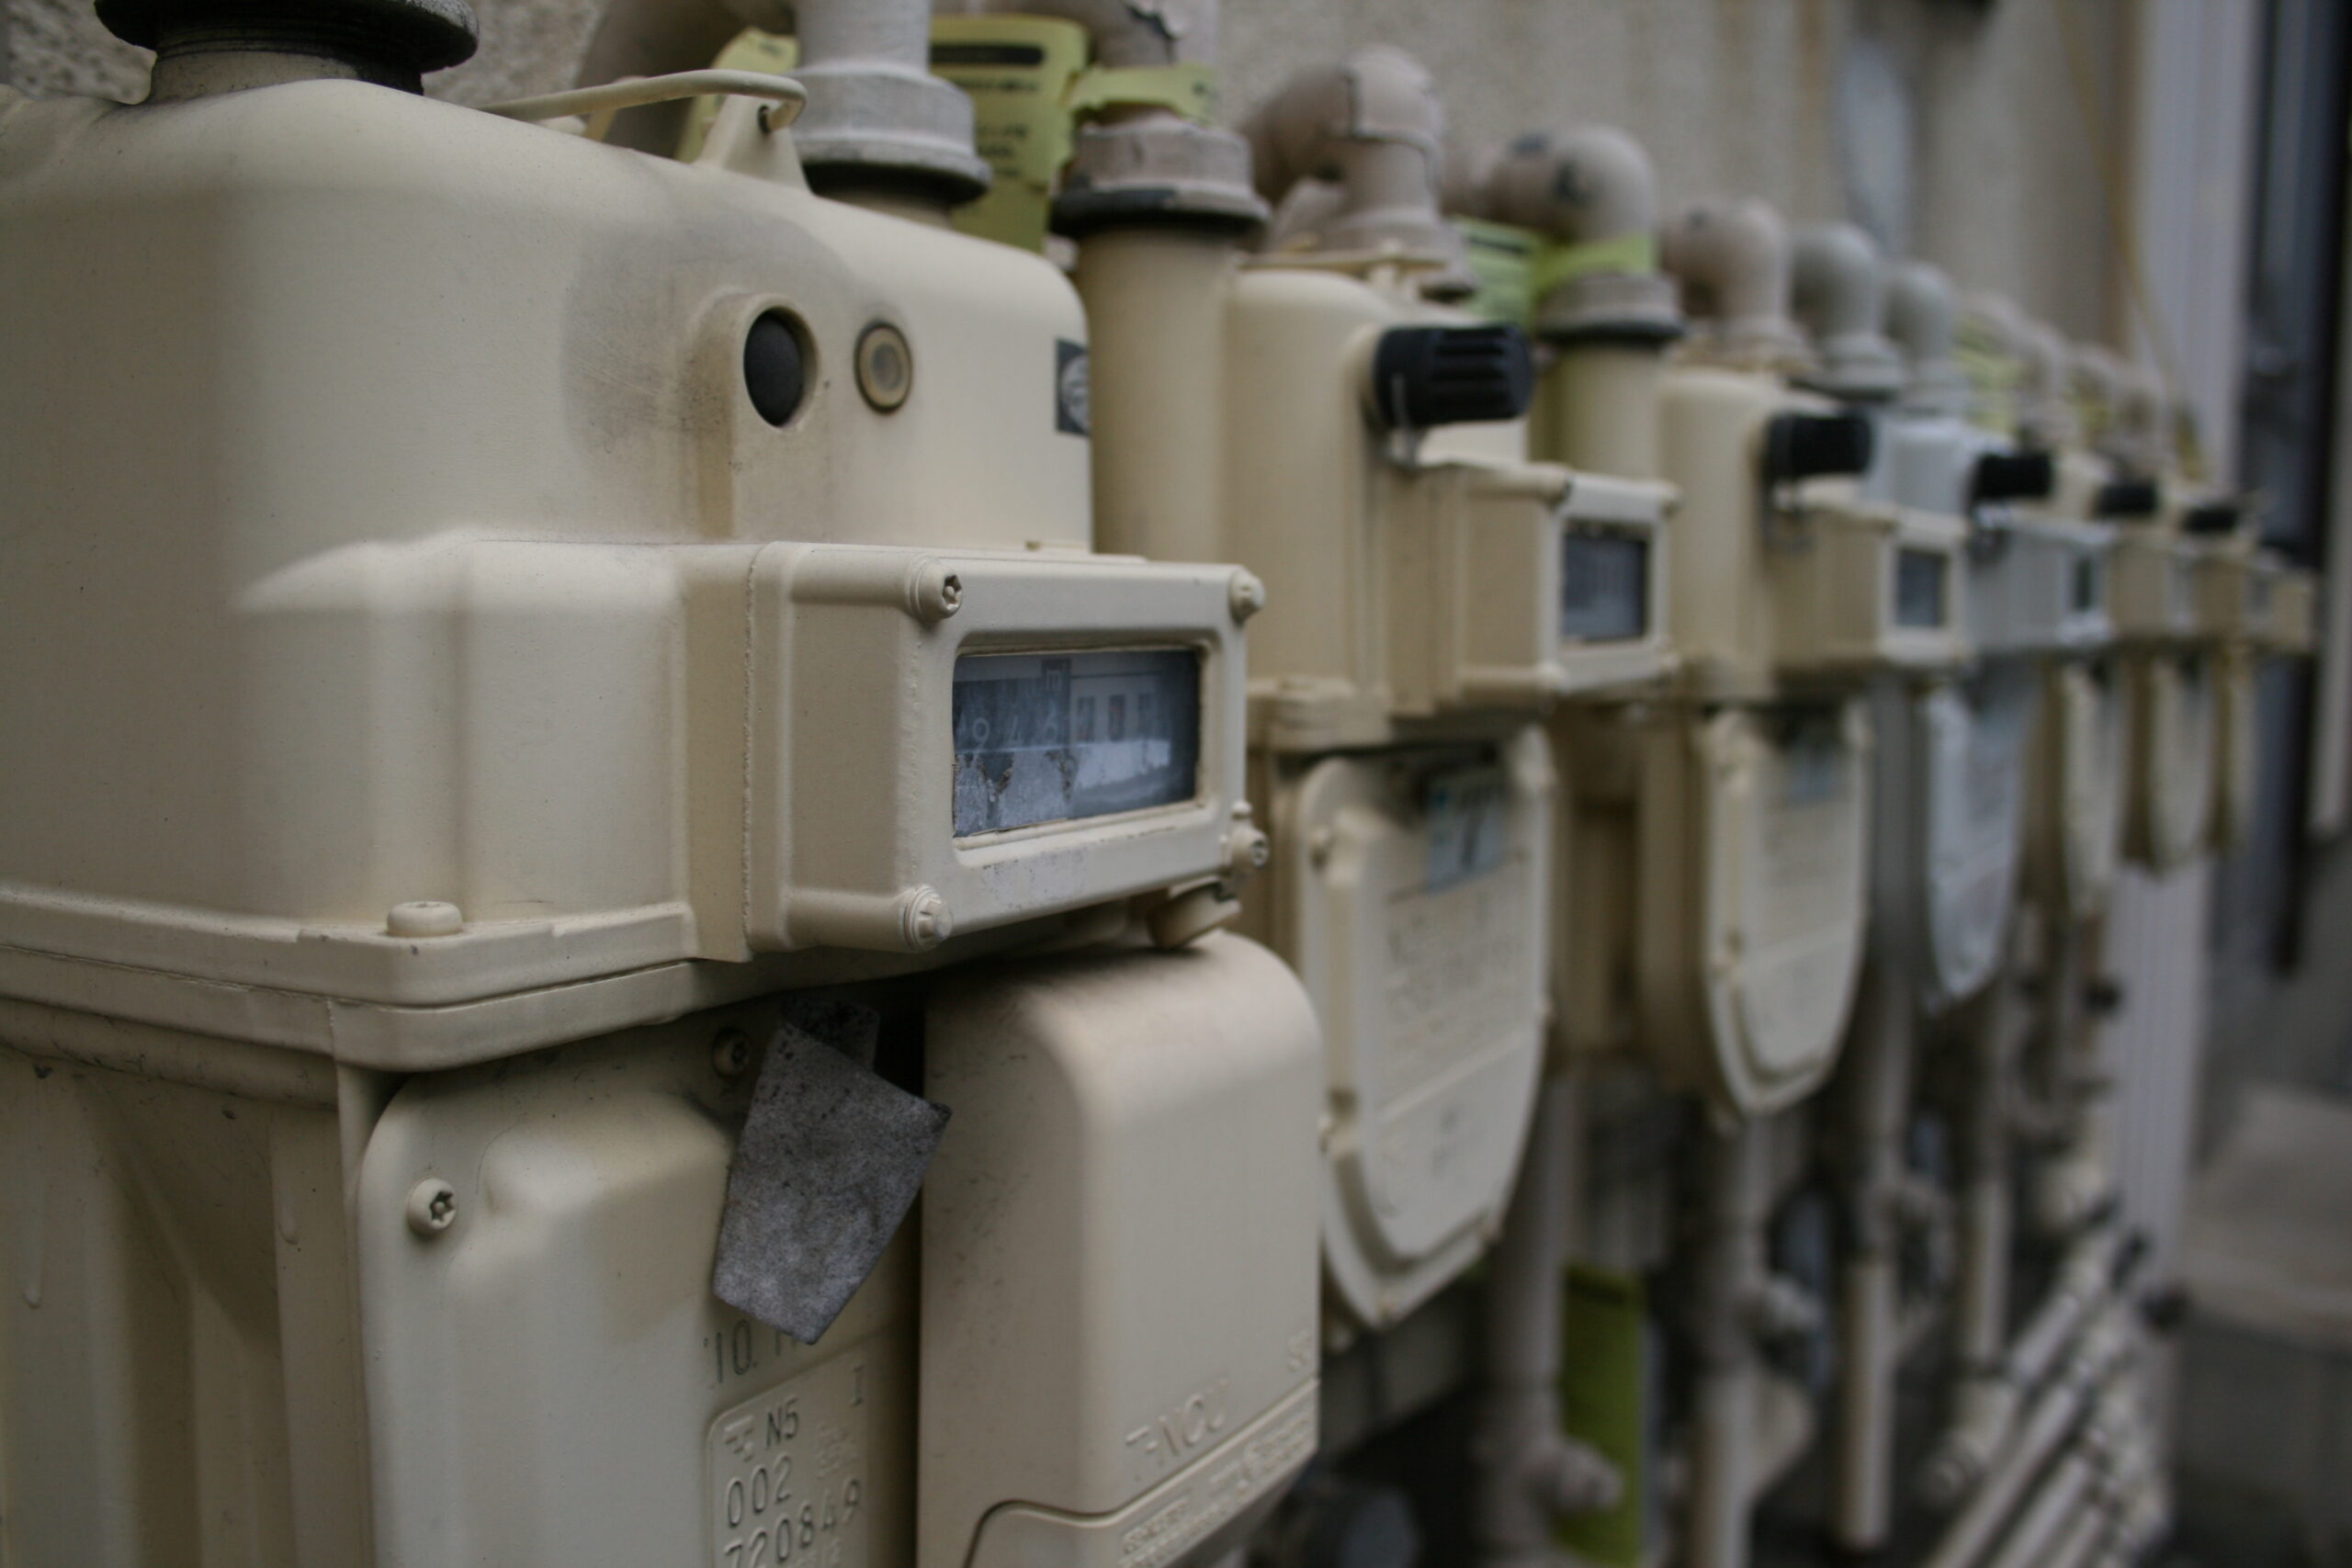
x=1604, y=1400
x=1018, y=72
x=1502, y=257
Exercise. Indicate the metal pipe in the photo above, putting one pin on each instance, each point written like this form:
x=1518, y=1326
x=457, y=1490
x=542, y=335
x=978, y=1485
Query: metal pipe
x=2060, y=1501
x=1156, y=299
x=1731, y=1278
x=1989, y=1403
x=1528, y=1474
x=1840, y=294
x=1732, y=258
x=1876, y=1101
x=1593, y=188
x=2049, y=1421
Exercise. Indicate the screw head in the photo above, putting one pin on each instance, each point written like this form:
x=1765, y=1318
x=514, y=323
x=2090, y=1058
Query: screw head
x=730, y=1053
x=432, y=1207
x=1245, y=595
x=924, y=919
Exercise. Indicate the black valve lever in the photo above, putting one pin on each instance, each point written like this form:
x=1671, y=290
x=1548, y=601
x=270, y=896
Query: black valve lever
x=1810, y=446
x=389, y=42
x=2011, y=476
x=1425, y=377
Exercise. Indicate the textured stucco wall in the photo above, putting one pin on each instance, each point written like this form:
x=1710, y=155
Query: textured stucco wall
x=1976, y=108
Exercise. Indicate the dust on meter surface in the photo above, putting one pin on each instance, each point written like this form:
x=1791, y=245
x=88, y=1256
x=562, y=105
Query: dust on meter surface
x=1409, y=892
x=1755, y=831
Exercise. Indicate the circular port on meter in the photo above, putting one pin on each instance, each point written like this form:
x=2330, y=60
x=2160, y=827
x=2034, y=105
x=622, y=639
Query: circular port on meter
x=775, y=366
x=886, y=367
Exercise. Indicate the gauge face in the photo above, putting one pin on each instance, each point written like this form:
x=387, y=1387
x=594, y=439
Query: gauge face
x=1921, y=589
x=1047, y=738
x=1604, y=586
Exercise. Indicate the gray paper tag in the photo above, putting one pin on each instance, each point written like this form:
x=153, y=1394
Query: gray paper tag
x=830, y=1161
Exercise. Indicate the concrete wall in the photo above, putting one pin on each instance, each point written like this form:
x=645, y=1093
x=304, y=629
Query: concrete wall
x=1963, y=125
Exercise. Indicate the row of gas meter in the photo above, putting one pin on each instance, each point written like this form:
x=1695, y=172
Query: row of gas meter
x=649, y=911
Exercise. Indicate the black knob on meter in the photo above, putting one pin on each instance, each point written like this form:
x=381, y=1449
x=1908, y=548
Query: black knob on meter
x=2012, y=476
x=2213, y=517
x=2127, y=498
x=1423, y=377
x=1810, y=446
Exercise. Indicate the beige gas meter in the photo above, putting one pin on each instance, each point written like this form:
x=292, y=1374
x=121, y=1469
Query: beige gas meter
x=1307, y=408
x=1714, y=837
x=551, y=690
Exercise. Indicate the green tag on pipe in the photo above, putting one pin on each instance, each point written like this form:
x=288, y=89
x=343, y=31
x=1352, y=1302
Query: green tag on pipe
x=1604, y=1388
x=1019, y=72
x=1500, y=255
x=1634, y=253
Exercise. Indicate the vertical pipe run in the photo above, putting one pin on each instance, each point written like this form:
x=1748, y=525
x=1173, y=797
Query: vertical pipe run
x=1596, y=408
x=1156, y=308
x=1529, y=1473
x=1878, y=1097
x=1731, y=1276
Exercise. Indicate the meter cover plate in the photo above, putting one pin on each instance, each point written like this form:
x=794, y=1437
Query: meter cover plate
x=550, y=1381
x=1972, y=750
x=2076, y=808
x=2174, y=752
x=1415, y=911
x=1754, y=843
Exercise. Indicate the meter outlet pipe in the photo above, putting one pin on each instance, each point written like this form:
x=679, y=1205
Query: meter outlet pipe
x=1527, y=1474
x=879, y=127
x=1612, y=314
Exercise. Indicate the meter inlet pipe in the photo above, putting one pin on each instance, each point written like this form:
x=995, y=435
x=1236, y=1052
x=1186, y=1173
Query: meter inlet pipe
x=1612, y=315
x=1840, y=296
x=1371, y=128
x=1876, y=1087
x=878, y=125
x=1923, y=317
x=1982, y=1399
x=1528, y=1474
x=1732, y=258
x=1159, y=206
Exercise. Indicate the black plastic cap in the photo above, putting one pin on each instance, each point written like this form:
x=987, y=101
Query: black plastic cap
x=412, y=36
x=2213, y=517
x=2127, y=498
x=2012, y=476
x=1425, y=377
x=1809, y=445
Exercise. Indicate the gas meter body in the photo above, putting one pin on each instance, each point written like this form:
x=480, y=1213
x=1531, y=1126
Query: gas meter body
x=493, y=611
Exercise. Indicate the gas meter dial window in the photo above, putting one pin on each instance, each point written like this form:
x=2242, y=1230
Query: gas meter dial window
x=1604, y=586
x=1063, y=736
x=1920, y=591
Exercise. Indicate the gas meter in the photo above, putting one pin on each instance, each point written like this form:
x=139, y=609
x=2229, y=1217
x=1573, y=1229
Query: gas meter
x=1307, y=410
x=1713, y=834
x=496, y=620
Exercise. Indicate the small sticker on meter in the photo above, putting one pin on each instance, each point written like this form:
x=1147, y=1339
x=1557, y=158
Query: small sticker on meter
x=1919, y=583
x=1467, y=813
x=1060, y=736
x=1604, y=586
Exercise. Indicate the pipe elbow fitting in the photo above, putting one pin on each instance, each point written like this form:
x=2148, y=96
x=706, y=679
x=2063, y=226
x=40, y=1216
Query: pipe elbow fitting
x=1351, y=154
x=1922, y=318
x=1590, y=186
x=1838, y=295
x=1731, y=258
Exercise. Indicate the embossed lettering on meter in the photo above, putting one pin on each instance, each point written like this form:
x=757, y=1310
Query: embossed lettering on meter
x=1045, y=737
x=788, y=1472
